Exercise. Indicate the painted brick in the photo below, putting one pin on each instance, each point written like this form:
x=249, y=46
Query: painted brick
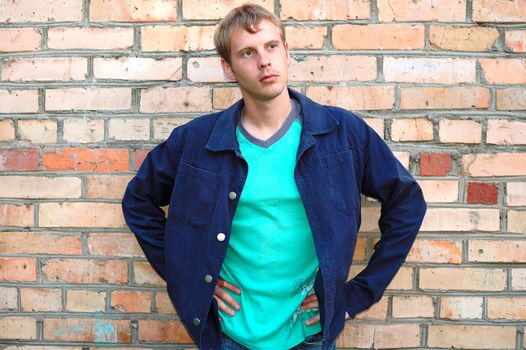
x=325, y=9
x=518, y=279
x=425, y=10
x=86, y=159
x=131, y=301
x=516, y=193
x=8, y=298
x=504, y=70
x=471, y=337
x=106, y=186
x=133, y=11
x=466, y=279
x=164, y=304
x=411, y=129
x=377, y=312
x=435, y=164
x=38, y=130
x=461, y=219
x=517, y=221
x=515, y=40
x=500, y=164
x=378, y=37
x=162, y=127
x=88, y=99
x=305, y=37
x=110, y=38
x=45, y=69
x=138, y=157
x=459, y=131
x=456, y=38
x=507, y=251
x=177, y=38
x=403, y=279
x=509, y=308
x=144, y=274
x=130, y=129
x=87, y=330
x=506, y=132
x=457, y=308
x=216, y=9
x=114, y=244
x=18, y=159
x=138, y=68
x=205, y=69
x=18, y=101
x=361, y=335
x=225, y=97
x=413, y=306
x=83, y=130
x=439, y=191
x=18, y=270
x=40, y=243
x=20, y=215
x=481, y=193
x=333, y=68
x=41, y=299
x=511, y=99
x=499, y=11
x=18, y=327
x=48, y=11
x=177, y=99
x=429, y=70
x=80, y=214
x=84, y=271
x=19, y=39
x=444, y=98
x=7, y=130
x=85, y=300
x=354, y=97
x=166, y=331
x=436, y=251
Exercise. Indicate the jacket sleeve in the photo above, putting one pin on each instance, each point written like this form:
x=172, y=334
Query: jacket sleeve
x=402, y=212
x=146, y=193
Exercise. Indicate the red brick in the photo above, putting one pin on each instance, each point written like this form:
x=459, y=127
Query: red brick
x=444, y=98
x=413, y=306
x=87, y=330
x=504, y=70
x=511, y=99
x=85, y=300
x=138, y=157
x=205, y=70
x=131, y=301
x=429, y=70
x=305, y=37
x=465, y=279
x=83, y=130
x=114, y=244
x=506, y=251
x=176, y=99
x=374, y=336
x=19, y=39
x=163, y=127
x=86, y=159
x=461, y=219
x=37, y=130
x=45, y=69
x=481, y=193
x=333, y=68
x=499, y=11
x=144, y=274
x=18, y=101
x=164, y=304
x=457, y=308
x=166, y=331
x=424, y=10
x=129, y=129
x=376, y=312
x=489, y=164
x=133, y=11
x=439, y=191
x=471, y=337
x=459, y=131
x=19, y=159
x=177, y=38
x=411, y=129
x=217, y=9
x=18, y=270
x=515, y=40
x=225, y=97
x=18, y=328
x=354, y=97
x=88, y=99
x=378, y=37
x=457, y=38
x=137, y=68
x=326, y=9
x=81, y=214
x=111, y=38
x=403, y=279
x=509, y=308
x=40, y=243
x=20, y=186
x=107, y=186
x=48, y=11
x=84, y=271
x=435, y=164
x=518, y=279
x=19, y=215
x=436, y=251
x=506, y=132
x=41, y=299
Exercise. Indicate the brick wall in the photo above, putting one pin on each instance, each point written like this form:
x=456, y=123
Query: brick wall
x=87, y=87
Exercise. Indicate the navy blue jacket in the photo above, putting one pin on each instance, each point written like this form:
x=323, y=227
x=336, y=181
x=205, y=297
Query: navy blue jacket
x=200, y=172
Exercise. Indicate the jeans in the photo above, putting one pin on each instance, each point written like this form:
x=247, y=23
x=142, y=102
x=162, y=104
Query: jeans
x=312, y=342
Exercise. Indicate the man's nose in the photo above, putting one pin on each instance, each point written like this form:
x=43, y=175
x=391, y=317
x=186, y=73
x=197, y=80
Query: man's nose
x=264, y=60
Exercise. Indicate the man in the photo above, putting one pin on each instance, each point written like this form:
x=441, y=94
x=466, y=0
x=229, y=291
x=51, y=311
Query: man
x=264, y=206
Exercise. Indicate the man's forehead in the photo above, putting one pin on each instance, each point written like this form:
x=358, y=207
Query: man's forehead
x=265, y=30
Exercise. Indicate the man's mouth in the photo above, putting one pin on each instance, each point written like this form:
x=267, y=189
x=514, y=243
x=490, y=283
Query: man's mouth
x=268, y=78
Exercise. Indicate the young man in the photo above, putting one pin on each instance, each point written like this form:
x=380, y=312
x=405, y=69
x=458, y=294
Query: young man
x=264, y=206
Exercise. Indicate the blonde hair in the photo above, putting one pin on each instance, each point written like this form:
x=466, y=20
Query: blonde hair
x=248, y=17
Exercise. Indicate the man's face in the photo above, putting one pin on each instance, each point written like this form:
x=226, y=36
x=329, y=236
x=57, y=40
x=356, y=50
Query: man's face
x=258, y=62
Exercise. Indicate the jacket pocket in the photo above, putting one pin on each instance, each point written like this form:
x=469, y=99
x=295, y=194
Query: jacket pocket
x=340, y=180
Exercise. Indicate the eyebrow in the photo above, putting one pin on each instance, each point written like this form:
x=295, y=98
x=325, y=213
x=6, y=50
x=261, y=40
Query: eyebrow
x=251, y=47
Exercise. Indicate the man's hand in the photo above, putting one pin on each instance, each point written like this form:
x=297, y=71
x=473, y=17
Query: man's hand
x=311, y=302
x=224, y=300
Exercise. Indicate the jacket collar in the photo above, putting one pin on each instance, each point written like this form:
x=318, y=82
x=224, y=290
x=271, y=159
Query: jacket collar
x=316, y=120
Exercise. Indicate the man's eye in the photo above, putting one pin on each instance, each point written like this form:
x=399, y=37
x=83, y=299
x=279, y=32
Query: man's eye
x=273, y=46
x=247, y=53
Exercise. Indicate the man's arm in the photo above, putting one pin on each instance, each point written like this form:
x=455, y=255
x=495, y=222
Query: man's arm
x=402, y=212
x=146, y=193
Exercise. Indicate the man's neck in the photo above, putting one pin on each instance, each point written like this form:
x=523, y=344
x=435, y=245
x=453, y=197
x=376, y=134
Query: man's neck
x=263, y=118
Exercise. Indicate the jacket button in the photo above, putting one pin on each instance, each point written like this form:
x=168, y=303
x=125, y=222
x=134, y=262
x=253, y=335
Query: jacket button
x=208, y=279
x=221, y=237
x=232, y=195
x=196, y=322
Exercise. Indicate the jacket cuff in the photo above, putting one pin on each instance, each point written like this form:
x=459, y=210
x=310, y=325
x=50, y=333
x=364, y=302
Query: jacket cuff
x=357, y=299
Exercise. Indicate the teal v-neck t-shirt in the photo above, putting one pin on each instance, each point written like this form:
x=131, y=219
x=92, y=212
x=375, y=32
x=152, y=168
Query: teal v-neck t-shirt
x=271, y=255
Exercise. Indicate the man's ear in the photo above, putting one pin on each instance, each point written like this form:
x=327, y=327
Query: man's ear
x=227, y=70
x=286, y=45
